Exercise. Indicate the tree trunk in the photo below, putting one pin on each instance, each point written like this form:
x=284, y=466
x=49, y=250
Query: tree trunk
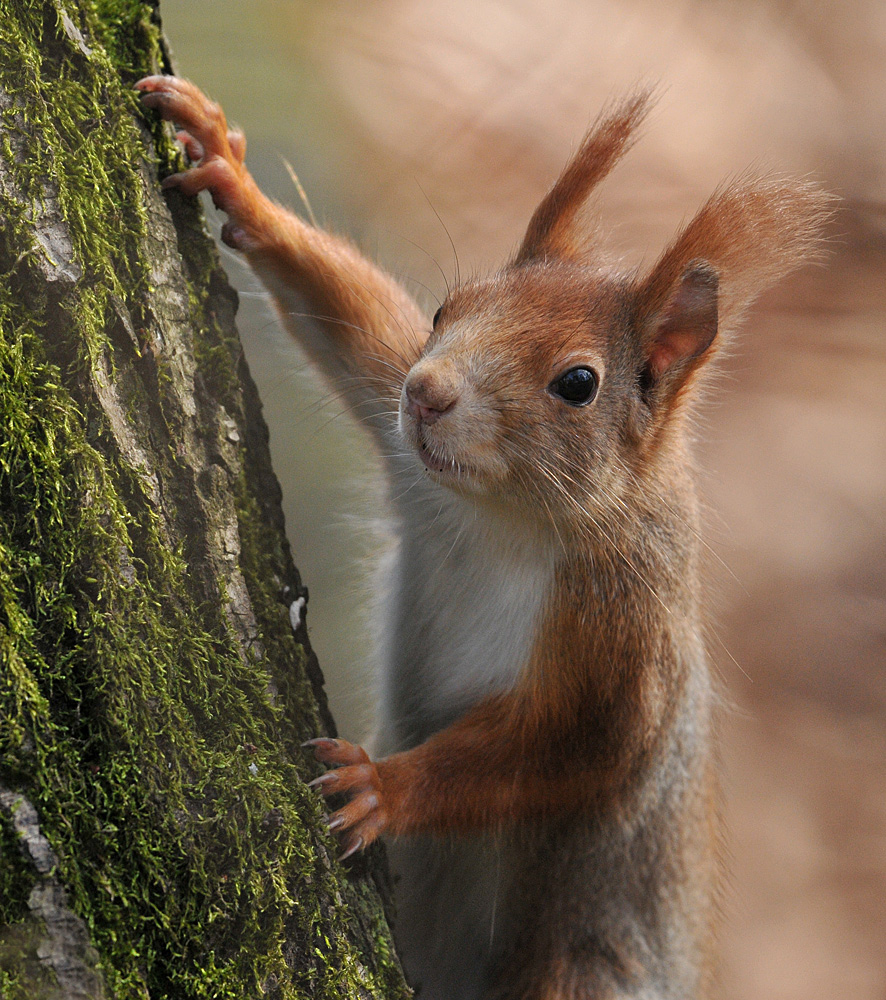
x=156, y=837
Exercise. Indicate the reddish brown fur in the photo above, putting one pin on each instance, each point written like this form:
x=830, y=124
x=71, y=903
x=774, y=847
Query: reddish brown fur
x=596, y=764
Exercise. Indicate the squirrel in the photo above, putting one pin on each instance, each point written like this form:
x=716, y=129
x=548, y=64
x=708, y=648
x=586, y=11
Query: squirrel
x=546, y=773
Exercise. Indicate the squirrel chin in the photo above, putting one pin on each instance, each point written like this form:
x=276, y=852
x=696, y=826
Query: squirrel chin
x=453, y=472
x=435, y=462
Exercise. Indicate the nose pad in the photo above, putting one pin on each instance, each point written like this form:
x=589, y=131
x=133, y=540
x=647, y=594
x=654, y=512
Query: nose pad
x=429, y=396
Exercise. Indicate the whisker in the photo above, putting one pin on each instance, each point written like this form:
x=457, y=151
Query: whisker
x=551, y=476
x=728, y=652
x=403, y=325
x=293, y=176
x=354, y=326
x=698, y=535
x=430, y=256
x=399, y=496
x=448, y=236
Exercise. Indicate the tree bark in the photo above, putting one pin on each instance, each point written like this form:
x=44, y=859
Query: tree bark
x=156, y=836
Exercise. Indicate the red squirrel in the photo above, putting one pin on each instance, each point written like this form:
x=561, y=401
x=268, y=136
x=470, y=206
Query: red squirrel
x=545, y=774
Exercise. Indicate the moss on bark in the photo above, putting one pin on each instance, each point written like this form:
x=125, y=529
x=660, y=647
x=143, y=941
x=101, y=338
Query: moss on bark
x=156, y=837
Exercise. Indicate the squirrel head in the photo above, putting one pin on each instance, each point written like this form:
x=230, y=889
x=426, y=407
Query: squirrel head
x=558, y=385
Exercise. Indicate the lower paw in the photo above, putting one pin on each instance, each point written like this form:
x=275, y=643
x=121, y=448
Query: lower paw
x=360, y=821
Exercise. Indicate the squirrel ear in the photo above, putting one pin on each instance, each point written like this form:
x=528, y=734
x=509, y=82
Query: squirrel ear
x=681, y=332
x=746, y=236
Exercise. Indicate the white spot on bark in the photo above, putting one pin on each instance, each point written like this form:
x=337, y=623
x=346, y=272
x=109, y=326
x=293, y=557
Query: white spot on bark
x=295, y=610
x=231, y=432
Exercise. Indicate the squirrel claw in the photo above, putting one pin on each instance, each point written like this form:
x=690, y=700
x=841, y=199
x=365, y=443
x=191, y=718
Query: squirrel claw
x=354, y=844
x=318, y=742
x=324, y=779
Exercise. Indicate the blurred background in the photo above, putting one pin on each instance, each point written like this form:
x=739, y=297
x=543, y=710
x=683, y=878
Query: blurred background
x=428, y=130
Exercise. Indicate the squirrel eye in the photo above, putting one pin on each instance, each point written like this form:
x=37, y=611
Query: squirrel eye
x=576, y=387
x=436, y=317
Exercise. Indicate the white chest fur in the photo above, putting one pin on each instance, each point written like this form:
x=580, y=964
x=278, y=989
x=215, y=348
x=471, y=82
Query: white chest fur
x=468, y=592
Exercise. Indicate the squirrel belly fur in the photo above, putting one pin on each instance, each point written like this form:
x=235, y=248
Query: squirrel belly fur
x=545, y=773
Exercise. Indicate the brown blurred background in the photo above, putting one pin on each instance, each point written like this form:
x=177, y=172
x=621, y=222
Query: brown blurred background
x=411, y=122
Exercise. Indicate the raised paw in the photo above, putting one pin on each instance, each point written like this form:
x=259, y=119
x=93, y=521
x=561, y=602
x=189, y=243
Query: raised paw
x=216, y=151
x=363, y=817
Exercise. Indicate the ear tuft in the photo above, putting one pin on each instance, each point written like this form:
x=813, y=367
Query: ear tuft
x=550, y=230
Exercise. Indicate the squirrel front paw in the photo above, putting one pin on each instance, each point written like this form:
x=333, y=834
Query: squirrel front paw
x=216, y=151
x=364, y=817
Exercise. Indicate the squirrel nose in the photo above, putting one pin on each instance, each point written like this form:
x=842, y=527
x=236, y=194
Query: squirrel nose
x=428, y=398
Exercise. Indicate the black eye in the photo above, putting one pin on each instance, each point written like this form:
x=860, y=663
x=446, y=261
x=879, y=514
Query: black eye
x=436, y=317
x=576, y=387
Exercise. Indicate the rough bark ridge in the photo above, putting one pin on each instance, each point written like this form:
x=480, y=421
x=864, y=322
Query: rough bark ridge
x=156, y=838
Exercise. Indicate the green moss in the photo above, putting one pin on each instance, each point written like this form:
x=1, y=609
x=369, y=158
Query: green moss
x=18, y=985
x=130, y=35
x=164, y=772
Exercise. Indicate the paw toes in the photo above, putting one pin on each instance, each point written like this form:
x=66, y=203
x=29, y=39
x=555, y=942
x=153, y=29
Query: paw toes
x=214, y=175
x=362, y=835
x=172, y=181
x=180, y=101
x=324, y=782
x=364, y=816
